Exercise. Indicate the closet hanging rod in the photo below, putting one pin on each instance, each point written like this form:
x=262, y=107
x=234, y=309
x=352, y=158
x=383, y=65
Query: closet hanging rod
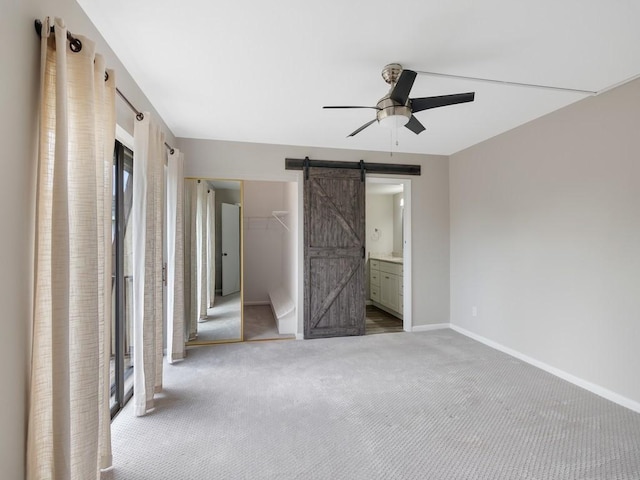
x=76, y=46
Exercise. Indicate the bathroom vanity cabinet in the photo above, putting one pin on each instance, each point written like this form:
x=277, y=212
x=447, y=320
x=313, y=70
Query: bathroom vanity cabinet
x=386, y=285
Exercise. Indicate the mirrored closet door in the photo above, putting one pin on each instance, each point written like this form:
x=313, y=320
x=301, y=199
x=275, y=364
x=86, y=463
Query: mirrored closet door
x=213, y=260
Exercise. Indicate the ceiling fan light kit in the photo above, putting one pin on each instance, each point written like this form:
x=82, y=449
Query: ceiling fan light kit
x=393, y=116
x=396, y=109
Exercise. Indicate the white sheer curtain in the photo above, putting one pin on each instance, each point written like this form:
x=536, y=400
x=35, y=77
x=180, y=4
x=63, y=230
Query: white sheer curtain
x=196, y=254
x=147, y=214
x=211, y=247
x=175, y=257
x=201, y=245
x=190, y=259
x=69, y=420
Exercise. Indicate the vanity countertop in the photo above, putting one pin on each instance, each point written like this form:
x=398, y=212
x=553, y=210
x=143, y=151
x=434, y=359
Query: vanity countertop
x=385, y=258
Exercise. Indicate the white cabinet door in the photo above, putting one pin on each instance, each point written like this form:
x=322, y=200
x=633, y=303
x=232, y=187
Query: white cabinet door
x=390, y=291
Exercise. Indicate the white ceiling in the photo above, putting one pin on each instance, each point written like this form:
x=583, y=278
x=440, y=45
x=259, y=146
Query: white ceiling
x=255, y=71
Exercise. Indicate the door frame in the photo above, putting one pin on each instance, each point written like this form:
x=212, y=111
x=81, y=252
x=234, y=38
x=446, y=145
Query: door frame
x=407, y=314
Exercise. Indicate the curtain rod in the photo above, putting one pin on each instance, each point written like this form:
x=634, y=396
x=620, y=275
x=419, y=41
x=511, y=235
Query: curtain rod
x=76, y=46
x=139, y=115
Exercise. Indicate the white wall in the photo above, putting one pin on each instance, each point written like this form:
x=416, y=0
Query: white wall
x=290, y=242
x=19, y=57
x=379, y=215
x=18, y=97
x=545, y=240
x=430, y=195
x=263, y=240
x=397, y=224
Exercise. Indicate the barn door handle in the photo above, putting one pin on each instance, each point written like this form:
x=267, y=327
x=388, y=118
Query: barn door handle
x=362, y=251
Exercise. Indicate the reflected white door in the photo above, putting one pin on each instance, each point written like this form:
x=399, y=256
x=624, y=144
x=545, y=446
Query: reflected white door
x=230, y=226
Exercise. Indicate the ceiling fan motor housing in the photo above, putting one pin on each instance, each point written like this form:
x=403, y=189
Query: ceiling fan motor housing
x=391, y=73
x=392, y=114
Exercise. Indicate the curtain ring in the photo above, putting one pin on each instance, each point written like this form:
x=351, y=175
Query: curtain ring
x=74, y=44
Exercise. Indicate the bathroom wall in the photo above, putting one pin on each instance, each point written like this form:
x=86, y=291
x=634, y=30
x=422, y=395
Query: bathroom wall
x=379, y=224
x=397, y=224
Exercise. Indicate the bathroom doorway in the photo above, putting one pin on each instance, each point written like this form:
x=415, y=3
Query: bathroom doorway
x=387, y=250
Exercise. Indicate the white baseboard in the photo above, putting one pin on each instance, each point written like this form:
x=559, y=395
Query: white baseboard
x=591, y=387
x=428, y=328
x=256, y=303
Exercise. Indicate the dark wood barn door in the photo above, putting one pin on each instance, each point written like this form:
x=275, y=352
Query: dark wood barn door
x=334, y=237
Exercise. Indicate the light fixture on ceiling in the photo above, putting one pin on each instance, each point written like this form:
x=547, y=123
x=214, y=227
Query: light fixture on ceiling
x=393, y=116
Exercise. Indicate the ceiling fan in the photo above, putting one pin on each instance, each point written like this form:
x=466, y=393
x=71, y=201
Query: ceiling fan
x=396, y=109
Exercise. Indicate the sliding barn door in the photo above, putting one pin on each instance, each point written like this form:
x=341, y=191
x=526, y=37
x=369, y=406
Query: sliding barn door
x=334, y=235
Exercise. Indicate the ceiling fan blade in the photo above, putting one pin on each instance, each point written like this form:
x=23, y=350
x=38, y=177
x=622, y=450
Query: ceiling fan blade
x=400, y=92
x=362, y=127
x=414, y=125
x=420, y=104
x=350, y=106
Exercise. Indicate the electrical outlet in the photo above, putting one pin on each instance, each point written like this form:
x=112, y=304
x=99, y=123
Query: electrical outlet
x=474, y=311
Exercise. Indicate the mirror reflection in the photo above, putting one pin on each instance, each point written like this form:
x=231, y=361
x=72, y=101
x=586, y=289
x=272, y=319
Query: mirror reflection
x=213, y=246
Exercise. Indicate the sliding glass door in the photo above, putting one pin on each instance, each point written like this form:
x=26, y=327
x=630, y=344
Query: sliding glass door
x=122, y=280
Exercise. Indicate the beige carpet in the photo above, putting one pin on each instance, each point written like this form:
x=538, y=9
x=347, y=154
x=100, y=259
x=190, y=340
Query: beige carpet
x=431, y=405
x=223, y=320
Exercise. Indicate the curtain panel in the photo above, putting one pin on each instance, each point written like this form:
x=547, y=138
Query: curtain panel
x=211, y=247
x=69, y=418
x=147, y=215
x=191, y=259
x=196, y=256
x=175, y=258
x=201, y=232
